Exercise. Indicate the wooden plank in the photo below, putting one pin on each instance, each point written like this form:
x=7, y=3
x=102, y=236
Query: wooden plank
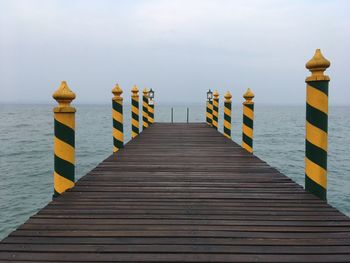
x=182, y=193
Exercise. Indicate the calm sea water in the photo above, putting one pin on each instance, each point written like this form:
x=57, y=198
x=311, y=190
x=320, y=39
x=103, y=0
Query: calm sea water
x=26, y=154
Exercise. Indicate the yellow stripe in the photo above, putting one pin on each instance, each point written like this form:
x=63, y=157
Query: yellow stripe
x=228, y=136
x=247, y=147
x=248, y=112
x=316, y=173
x=134, y=123
x=247, y=131
x=227, y=125
x=316, y=136
x=135, y=110
x=61, y=184
x=117, y=116
x=115, y=149
x=66, y=118
x=64, y=150
x=227, y=111
x=133, y=134
x=317, y=99
x=118, y=135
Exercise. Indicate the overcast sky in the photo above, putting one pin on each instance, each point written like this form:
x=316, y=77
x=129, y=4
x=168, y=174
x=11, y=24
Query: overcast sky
x=178, y=48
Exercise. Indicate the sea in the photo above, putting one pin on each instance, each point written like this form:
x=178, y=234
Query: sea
x=26, y=148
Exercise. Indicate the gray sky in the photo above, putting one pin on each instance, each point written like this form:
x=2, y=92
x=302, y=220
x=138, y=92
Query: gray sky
x=178, y=48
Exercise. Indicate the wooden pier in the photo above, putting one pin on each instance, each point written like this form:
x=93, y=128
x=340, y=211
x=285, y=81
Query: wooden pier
x=182, y=193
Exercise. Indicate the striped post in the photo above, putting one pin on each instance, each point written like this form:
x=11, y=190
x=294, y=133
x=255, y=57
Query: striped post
x=208, y=112
x=248, y=119
x=227, y=114
x=316, y=141
x=135, y=112
x=117, y=114
x=64, y=140
x=151, y=107
x=215, y=109
x=145, y=109
x=210, y=107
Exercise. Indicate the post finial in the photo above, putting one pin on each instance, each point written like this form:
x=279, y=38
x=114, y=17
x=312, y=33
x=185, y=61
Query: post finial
x=228, y=96
x=117, y=91
x=63, y=95
x=248, y=96
x=318, y=65
x=135, y=90
x=216, y=94
x=145, y=92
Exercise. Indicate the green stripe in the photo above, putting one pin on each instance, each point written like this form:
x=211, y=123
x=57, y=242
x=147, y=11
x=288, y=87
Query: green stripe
x=317, y=118
x=227, y=118
x=228, y=105
x=247, y=121
x=135, y=129
x=64, y=168
x=314, y=188
x=117, y=106
x=135, y=116
x=316, y=154
x=55, y=193
x=227, y=131
x=319, y=85
x=135, y=103
x=64, y=133
x=117, y=125
x=250, y=106
x=117, y=143
x=247, y=140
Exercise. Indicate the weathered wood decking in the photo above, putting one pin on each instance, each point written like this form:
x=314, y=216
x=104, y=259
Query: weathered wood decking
x=182, y=192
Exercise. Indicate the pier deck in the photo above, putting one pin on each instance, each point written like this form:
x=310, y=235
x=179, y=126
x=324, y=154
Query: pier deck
x=182, y=193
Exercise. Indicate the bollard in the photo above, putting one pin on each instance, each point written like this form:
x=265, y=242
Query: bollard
x=117, y=113
x=209, y=108
x=151, y=107
x=135, y=112
x=187, y=115
x=248, y=120
x=172, y=115
x=227, y=114
x=316, y=141
x=215, y=109
x=64, y=140
x=145, y=109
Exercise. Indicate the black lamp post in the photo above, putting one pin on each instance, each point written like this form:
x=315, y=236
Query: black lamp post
x=209, y=95
x=151, y=94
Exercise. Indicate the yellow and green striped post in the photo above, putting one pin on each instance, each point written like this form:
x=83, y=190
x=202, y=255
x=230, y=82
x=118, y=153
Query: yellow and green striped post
x=248, y=120
x=117, y=114
x=316, y=141
x=216, y=109
x=145, y=109
x=151, y=107
x=135, y=112
x=64, y=140
x=208, y=112
x=227, y=114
